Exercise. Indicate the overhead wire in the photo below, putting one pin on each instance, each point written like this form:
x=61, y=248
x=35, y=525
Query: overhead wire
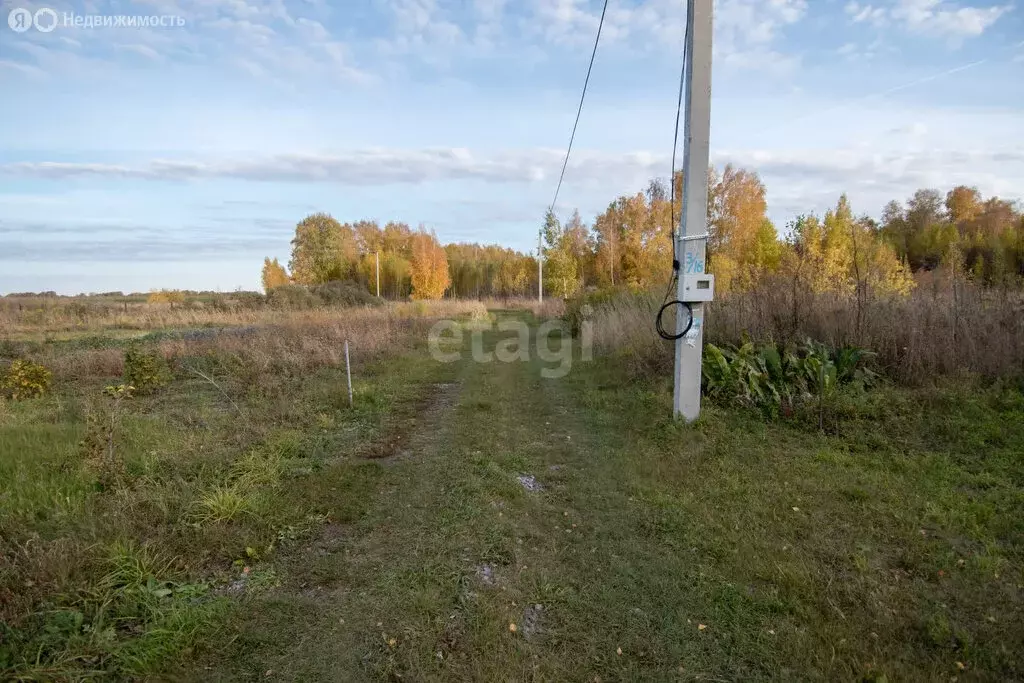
x=579, y=110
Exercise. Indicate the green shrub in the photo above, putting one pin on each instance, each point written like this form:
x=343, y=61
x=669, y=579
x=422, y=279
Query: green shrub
x=98, y=445
x=25, y=379
x=779, y=380
x=292, y=297
x=339, y=293
x=246, y=300
x=146, y=371
x=580, y=307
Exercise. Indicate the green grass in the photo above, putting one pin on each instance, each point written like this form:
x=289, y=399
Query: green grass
x=203, y=484
x=395, y=542
x=730, y=549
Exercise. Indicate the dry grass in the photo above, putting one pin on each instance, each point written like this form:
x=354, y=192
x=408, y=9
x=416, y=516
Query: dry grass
x=202, y=469
x=24, y=316
x=938, y=330
x=262, y=341
x=551, y=307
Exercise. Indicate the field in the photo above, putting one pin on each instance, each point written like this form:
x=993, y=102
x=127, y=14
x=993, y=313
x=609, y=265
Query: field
x=476, y=521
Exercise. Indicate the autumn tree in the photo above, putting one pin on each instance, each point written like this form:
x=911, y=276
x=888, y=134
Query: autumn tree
x=274, y=274
x=962, y=232
x=845, y=255
x=561, y=271
x=580, y=244
x=429, y=266
x=322, y=250
x=514, y=275
x=172, y=297
x=608, y=253
x=742, y=241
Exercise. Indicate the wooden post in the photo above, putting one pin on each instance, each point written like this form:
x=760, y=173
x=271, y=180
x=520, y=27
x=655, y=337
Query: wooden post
x=348, y=373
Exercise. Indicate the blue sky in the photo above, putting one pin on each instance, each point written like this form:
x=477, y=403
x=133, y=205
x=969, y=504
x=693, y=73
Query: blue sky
x=134, y=158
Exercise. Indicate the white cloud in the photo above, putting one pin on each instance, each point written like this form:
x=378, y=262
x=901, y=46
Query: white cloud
x=797, y=179
x=866, y=13
x=24, y=69
x=142, y=50
x=264, y=38
x=915, y=129
x=930, y=17
x=747, y=30
x=947, y=19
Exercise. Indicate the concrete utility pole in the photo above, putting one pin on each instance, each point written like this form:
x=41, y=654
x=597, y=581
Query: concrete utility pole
x=378, y=274
x=695, y=287
x=540, y=268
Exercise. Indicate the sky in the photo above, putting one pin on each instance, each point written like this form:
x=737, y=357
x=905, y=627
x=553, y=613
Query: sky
x=180, y=154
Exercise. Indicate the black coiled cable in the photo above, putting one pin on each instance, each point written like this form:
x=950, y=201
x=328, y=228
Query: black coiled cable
x=659, y=322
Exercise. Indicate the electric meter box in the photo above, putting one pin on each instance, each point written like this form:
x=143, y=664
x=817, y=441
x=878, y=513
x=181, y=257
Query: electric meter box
x=698, y=288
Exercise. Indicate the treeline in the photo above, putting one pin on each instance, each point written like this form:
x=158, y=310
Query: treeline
x=630, y=245
x=410, y=263
x=630, y=242
x=153, y=296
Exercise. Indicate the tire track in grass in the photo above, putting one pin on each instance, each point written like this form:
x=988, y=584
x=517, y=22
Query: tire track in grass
x=459, y=572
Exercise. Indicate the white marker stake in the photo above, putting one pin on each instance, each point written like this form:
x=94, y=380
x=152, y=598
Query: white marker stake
x=693, y=219
x=540, y=269
x=348, y=372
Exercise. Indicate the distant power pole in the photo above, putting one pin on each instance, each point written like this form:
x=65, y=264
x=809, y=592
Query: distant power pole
x=695, y=287
x=378, y=274
x=540, y=268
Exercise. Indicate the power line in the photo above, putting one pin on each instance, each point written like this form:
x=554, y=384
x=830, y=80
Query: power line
x=672, y=177
x=580, y=109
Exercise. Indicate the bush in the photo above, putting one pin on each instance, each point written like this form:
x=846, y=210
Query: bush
x=582, y=306
x=939, y=329
x=292, y=297
x=334, y=293
x=25, y=379
x=780, y=380
x=339, y=293
x=245, y=300
x=145, y=371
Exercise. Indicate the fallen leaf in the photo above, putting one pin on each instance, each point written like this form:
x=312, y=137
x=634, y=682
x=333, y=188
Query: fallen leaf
x=618, y=651
x=701, y=627
x=512, y=628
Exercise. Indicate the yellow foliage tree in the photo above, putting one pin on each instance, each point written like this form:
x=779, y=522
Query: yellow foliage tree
x=274, y=275
x=743, y=244
x=323, y=250
x=166, y=296
x=429, y=266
